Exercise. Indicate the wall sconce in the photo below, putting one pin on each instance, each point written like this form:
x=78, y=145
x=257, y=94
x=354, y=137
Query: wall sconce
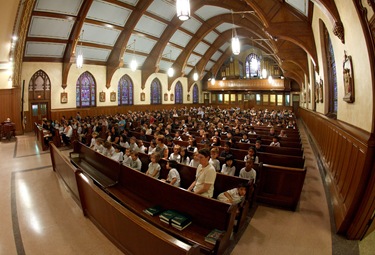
x=79, y=59
x=183, y=9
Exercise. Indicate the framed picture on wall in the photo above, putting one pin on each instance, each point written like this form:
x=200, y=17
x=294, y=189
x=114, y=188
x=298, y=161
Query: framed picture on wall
x=165, y=97
x=171, y=97
x=64, y=97
x=188, y=97
x=321, y=91
x=348, y=79
x=102, y=96
x=113, y=96
x=143, y=96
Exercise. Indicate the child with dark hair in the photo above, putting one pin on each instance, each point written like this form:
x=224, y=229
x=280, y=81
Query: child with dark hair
x=275, y=142
x=248, y=172
x=185, y=160
x=226, y=150
x=173, y=177
x=233, y=196
x=251, y=154
x=228, y=168
x=135, y=162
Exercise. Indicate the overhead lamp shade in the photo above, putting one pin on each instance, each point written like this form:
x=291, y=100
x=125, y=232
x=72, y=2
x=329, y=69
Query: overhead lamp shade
x=264, y=73
x=79, y=60
x=133, y=65
x=183, y=9
x=236, y=47
x=170, y=72
x=213, y=80
x=195, y=76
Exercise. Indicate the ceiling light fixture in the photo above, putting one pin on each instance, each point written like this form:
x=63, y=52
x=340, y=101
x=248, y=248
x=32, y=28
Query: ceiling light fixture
x=170, y=69
x=79, y=59
x=236, y=47
x=133, y=63
x=183, y=9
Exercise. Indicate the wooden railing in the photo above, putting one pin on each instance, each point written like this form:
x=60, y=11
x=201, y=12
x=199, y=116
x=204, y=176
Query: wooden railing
x=347, y=154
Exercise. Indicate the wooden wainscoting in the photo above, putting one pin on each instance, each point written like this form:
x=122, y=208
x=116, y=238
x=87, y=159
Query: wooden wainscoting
x=347, y=154
x=10, y=107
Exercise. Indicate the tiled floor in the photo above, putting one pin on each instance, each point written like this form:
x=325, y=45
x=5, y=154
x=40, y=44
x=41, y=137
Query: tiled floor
x=38, y=215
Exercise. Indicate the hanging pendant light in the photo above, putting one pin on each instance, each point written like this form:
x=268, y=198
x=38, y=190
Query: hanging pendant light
x=183, y=9
x=236, y=47
x=170, y=69
x=79, y=59
x=133, y=63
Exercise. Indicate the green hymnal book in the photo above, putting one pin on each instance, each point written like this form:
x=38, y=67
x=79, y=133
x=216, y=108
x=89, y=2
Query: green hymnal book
x=181, y=219
x=167, y=216
x=181, y=227
x=155, y=210
x=213, y=236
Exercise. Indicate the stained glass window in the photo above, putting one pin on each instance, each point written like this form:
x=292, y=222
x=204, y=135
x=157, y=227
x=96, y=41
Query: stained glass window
x=155, y=92
x=178, y=93
x=39, y=86
x=86, y=90
x=252, y=65
x=195, y=94
x=125, y=91
x=332, y=64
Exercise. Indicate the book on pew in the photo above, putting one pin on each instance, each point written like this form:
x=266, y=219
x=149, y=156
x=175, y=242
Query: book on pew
x=181, y=221
x=213, y=236
x=154, y=210
x=167, y=216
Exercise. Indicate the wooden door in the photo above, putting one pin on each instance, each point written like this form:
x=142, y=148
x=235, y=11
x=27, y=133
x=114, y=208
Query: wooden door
x=38, y=112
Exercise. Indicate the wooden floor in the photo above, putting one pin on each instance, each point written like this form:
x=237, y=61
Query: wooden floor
x=38, y=215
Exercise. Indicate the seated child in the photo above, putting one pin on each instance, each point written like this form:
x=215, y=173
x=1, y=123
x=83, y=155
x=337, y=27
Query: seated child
x=233, y=196
x=251, y=154
x=275, y=142
x=135, y=162
x=213, y=160
x=141, y=146
x=93, y=139
x=244, y=139
x=176, y=154
x=108, y=149
x=98, y=147
x=117, y=155
x=248, y=171
x=195, y=161
x=228, y=168
x=173, y=175
x=185, y=160
x=154, y=167
x=152, y=147
x=126, y=160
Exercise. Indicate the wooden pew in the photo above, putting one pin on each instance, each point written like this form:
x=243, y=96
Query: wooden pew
x=65, y=170
x=281, y=186
x=130, y=233
x=272, y=149
x=39, y=132
x=206, y=213
x=104, y=172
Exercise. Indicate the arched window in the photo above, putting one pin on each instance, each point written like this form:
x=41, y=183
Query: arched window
x=330, y=65
x=155, y=92
x=125, y=91
x=39, y=86
x=195, y=94
x=252, y=65
x=86, y=90
x=178, y=93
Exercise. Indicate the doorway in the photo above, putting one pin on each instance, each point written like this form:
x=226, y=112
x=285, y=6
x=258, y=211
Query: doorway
x=38, y=112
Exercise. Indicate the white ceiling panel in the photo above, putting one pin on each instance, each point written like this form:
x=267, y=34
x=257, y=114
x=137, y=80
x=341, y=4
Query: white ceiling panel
x=175, y=52
x=300, y=5
x=164, y=65
x=224, y=47
x=109, y=13
x=131, y=2
x=188, y=69
x=211, y=37
x=142, y=44
x=95, y=54
x=216, y=56
x=209, y=65
x=50, y=27
x=128, y=57
x=69, y=7
x=163, y=9
x=42, y=49
x=180, y=38
x=107, y=36
x=201, y=48
x=191, y=25
x=150, y=26
x=208, y=11
x=194, y=59
x=224, y=27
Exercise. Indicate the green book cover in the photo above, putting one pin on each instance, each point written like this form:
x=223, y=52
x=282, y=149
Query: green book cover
x=155, y=210
x=181, y=227
x=181, y=219
x=168, y=215
x=213, y=236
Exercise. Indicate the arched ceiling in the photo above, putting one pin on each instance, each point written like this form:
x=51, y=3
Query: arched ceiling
x=113, y=32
